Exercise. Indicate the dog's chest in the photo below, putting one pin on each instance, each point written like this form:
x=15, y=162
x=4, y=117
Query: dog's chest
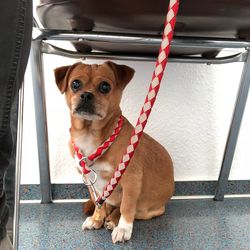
x=101, y=169
x=87, y=146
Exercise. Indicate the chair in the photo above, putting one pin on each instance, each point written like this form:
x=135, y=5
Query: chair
x=131, y=30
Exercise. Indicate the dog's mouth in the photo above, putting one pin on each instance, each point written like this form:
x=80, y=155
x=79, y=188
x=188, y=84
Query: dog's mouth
x=87, y=112
x=85, y=108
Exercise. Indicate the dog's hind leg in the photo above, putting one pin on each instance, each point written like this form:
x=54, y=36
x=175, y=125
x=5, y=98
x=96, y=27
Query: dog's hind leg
x=112, y=220
x=148, y=214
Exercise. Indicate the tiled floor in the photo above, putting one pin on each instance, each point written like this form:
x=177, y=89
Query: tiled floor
x=188, y=224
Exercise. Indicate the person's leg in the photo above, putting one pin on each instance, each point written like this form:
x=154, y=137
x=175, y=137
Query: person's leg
x=10, y=174
x=15, y=27
x=5, y=149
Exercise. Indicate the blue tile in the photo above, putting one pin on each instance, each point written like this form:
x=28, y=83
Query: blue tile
x=30, y=192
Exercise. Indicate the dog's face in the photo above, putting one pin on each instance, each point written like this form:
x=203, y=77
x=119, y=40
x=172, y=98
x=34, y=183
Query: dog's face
x=93, y=91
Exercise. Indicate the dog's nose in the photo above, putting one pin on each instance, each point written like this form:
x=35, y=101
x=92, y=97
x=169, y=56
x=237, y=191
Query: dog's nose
x=87, y=96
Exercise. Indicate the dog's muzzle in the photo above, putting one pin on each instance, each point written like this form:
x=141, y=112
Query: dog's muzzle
x=86, y=103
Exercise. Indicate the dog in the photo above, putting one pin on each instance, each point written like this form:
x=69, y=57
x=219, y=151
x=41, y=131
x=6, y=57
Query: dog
x=93, y=94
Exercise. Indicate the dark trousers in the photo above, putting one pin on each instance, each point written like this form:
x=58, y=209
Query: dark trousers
x=15, y=40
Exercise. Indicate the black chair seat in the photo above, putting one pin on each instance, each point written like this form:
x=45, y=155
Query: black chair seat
x=196, y=18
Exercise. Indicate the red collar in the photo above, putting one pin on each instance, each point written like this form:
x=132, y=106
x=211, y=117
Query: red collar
x=87, y=161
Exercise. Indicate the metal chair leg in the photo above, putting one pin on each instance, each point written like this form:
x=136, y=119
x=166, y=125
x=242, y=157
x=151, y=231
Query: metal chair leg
x=41, y=120
x=233, y=131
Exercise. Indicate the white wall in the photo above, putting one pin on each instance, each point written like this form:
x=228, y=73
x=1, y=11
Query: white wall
x=191, y=119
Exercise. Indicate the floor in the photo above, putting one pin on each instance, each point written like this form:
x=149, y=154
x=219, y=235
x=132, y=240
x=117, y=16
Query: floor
x=188, y=224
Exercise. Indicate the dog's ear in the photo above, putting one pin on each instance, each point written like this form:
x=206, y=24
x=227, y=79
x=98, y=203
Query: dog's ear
x=123, y=73
x=61, y=75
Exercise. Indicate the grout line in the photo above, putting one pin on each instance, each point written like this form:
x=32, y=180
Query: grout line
x=30, y=201
x=196, y=197
x=237, y=196
x=54, y=201
x=70, y=201
x=192, y=197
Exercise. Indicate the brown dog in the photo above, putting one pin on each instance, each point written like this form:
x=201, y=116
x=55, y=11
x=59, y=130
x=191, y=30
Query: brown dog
x=93, y=94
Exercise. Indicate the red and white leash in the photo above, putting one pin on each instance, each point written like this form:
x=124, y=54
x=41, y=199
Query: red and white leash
x=89, y=176
x=85, y=162
x=149, y=101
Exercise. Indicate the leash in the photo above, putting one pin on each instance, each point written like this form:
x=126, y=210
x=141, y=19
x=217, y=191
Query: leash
x=149, y=101
x=85, y=162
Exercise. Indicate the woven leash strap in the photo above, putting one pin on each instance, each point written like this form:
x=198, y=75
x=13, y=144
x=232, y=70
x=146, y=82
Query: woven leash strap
x=149, y=102
x=87, y=161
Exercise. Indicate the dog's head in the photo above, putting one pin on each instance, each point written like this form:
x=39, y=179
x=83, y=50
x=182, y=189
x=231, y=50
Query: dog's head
x=93, y=91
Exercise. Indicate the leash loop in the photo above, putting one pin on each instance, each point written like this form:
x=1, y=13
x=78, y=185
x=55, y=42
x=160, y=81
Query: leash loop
x=85, y=162
x=90, y=178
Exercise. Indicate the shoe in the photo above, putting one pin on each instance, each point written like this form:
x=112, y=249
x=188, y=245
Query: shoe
x=5, y=244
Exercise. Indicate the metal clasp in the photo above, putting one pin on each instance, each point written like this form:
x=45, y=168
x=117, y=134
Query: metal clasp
x=89, y=181
x=84, y=158
x=89, y=178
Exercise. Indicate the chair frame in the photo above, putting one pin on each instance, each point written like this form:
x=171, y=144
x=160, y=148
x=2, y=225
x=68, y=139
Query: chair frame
x=41, y=45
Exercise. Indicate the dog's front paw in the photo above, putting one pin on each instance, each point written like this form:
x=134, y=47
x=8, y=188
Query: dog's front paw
x=121, y=234
x=90, y=223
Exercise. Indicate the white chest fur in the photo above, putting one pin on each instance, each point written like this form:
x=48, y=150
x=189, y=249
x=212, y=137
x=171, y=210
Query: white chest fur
x=86, y=144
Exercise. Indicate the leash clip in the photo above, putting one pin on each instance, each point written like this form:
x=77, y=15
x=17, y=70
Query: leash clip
x=89, y=181
x=90, y=178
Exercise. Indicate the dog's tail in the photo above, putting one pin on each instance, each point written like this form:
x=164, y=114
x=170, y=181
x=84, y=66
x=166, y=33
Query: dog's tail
x=88, y=207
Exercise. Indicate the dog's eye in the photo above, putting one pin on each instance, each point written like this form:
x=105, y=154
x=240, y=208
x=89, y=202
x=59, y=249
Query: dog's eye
x=104, y=87
x=75, y=85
